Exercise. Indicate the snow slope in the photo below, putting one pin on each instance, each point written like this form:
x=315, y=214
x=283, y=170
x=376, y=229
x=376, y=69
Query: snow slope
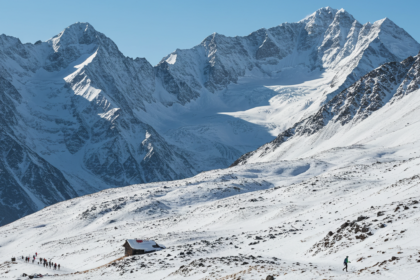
x=295, y=219
x=351, y=117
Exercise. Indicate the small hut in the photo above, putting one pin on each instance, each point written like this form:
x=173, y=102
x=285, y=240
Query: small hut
x=140, y=246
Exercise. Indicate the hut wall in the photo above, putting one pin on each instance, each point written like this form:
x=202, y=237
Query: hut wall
x=128, y=249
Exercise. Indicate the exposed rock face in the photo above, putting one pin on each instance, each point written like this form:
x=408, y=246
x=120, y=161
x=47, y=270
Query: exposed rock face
x=74, y=113
x=27, y=181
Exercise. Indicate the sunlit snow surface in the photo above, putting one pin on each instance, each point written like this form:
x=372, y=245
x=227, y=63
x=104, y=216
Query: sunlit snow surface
x=295, y=94
x=284, y=218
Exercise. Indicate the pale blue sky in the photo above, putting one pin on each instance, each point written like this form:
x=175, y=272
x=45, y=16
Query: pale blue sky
x=153, y=29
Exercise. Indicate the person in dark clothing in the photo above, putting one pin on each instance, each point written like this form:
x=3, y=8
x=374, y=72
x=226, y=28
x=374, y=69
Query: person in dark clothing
x=346, y=261
x=58, y=266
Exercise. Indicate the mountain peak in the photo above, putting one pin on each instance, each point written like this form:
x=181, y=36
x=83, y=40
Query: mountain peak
x=211, y=38
x=80, y=25
x=388, y=23
x=344, y=17
x=385, y=21
x=77, y=33
x=319, y=20
x=327, y=9
x=326, y=12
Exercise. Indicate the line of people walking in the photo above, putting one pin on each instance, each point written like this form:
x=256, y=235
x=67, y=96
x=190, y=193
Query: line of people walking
x=28, y=259
x=42, y=261
x=49, y=264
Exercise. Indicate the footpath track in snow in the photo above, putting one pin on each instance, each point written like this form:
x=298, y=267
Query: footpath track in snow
x=20, y=267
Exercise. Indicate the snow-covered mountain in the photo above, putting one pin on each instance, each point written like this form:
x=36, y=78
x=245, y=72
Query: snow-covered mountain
x=266, y=81
x=70, y=125
x=337, y=122
x=80, y=117
x=328, y=40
